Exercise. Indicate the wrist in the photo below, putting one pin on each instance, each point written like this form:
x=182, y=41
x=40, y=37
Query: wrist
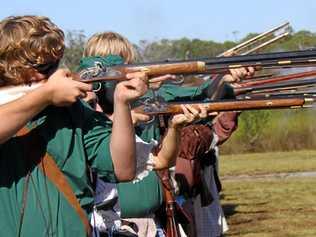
x=175, y=126
x=121, y=103
x=120, y=98
x=47, y=93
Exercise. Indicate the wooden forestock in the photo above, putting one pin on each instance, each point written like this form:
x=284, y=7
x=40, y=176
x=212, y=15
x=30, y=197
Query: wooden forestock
x=172, y=68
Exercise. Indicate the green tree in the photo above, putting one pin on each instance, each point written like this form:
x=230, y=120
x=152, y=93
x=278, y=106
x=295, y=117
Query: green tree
x=75, y=41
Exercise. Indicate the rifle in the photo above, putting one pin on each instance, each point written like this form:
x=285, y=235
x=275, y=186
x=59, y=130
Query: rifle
x=258, y=77
x=228, y=105
x=309, y=92
x=276, y=86
x=213, y=65
x=278, y=79
x=260, y=41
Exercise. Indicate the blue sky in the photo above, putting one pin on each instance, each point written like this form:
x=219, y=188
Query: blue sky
x=156, y=19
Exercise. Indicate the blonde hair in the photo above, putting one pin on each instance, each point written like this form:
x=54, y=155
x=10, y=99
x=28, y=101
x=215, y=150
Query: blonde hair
x=106, y=43
x=28, y=43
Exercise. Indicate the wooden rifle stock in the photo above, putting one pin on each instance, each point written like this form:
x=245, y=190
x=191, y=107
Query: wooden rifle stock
x=220, y=106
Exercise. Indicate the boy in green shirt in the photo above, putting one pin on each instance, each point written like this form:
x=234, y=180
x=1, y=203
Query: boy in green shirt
x=143, y=196
x=45, y=188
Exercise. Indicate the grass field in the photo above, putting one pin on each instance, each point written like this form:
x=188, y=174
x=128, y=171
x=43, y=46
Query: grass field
x=265, y=163
x=271, y=207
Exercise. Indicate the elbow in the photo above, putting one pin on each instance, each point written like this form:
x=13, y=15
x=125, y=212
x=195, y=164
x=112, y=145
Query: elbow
x=124, y=165
x=125, y=175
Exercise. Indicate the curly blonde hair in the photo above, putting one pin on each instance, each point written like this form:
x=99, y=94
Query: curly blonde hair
x=106, y=43
x=28, y=43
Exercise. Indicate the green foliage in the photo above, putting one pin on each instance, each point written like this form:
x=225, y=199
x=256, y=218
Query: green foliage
x=75, y=41
x=194, y=48
x=279, y=130
x=183, y=49
x=251, y=127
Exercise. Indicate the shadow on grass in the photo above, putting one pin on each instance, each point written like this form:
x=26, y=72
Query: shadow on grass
x=229, y=209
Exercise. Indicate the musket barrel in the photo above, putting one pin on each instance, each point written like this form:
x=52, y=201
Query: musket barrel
x=238, y=48
x=291, y=84
x=278, y=79
x=267, y=43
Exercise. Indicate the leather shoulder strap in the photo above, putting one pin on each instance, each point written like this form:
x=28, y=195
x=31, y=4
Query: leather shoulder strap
x=50, y=169
x=53, y=173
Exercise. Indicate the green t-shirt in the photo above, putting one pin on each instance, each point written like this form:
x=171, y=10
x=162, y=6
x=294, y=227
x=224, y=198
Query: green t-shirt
x=74, y=137
x=142, y=198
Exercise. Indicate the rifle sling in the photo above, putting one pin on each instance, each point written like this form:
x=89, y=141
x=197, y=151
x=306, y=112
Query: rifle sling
x=49, y=168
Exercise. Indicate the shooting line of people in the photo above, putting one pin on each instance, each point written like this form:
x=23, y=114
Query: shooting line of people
x=120, y=148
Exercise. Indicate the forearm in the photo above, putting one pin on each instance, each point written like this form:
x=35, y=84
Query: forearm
x=16, y=114
x=122, y=143
x=169, y=150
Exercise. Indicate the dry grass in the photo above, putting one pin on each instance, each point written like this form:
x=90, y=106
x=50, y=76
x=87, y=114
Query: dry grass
x=273, y=207
x=265, y=163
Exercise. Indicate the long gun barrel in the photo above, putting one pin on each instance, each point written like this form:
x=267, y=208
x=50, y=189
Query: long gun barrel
x=260, y=41
x=278, y=79
x=309, y=92
x=276, y=86
x=220, y=106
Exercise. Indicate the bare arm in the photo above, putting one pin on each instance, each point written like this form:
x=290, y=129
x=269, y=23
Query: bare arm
x=58, y=90
x=170, y=145
x=122, y=144
x=169, y=149
x=16, y=114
